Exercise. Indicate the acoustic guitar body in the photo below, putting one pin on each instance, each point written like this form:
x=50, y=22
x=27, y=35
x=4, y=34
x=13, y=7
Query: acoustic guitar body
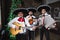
x=15, y=31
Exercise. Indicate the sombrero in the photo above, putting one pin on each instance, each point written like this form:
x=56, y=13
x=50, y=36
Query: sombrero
x=31, y=9
x=16, y=11
x=24, y=10
x=44, y=7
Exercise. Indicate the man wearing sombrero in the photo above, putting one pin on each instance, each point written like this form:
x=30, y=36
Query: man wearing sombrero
x=31, y=23
x=18, y=23
x=46, y=22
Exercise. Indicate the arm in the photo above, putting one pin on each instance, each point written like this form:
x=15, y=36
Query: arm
x=35, y=22
x=39, y=21
x=10, y=24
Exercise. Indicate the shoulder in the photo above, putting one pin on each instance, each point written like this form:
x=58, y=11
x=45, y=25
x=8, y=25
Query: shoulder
x=40, y=15
x=27, y=16
x=33, y=16
x=15, y=18
x=49, y=15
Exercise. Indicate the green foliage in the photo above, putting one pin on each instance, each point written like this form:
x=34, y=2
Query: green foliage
x=11, y=15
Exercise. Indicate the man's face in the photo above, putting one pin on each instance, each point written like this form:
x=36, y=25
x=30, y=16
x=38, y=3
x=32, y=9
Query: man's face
x=30, y=13
x=20, y=14
x=43, y=11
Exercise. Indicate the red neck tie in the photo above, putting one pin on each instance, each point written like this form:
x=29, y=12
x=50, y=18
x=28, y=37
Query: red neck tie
x=43, y=20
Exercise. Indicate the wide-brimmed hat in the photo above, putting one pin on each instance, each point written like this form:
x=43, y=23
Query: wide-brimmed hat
x=31, y=9
x=16, y=11
x=24, y=10
x=47, y=7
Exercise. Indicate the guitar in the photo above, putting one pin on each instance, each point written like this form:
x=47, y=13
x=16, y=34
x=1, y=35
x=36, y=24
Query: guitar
x=15, y=31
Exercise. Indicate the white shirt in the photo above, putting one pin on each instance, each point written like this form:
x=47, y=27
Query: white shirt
x=48, y=21
x=10, y=24
x=27, y=22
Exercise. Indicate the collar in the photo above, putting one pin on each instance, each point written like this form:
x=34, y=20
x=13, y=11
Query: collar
x=29, y=15
x=21, y=17
x=45, y=14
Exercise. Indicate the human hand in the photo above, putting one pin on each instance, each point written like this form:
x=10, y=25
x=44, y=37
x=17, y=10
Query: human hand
x=34, y=28
x=16, y=28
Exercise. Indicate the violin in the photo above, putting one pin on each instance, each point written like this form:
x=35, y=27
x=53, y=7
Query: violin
x=30, y=20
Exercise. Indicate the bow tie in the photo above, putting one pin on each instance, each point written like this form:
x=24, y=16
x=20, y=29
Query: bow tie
x=21, y=19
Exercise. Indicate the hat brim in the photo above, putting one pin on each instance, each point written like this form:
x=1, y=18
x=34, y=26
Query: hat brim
x=32, y=9
x=16, y=11
x=44, y=7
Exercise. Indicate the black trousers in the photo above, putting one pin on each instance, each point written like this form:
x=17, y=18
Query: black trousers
x=21, y=37
x=42, y=31
x=31, y=35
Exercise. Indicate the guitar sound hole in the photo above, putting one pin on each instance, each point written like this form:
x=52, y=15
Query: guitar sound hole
x=19, y=27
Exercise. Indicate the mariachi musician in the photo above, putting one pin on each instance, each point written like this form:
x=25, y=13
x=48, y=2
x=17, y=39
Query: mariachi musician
x=46, y=22
x=31, y=23
x=17, y=24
